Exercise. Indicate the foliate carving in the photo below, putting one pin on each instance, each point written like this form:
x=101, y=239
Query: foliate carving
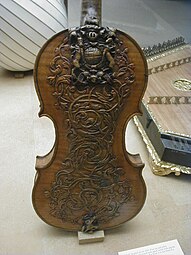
x=90, y=223
x=90, y=186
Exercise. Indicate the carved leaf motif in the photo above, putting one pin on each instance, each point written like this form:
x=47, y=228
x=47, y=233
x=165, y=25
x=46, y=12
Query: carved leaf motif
x=90, y=180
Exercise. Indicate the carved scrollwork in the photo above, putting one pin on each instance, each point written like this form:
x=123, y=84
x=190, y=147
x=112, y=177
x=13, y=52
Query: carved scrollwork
x=90, y=179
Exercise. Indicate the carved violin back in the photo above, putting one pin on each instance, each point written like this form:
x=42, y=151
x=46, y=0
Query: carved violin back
x=90, y=82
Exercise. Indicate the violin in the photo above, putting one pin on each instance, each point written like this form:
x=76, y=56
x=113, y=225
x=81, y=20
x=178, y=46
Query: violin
x=90, y=81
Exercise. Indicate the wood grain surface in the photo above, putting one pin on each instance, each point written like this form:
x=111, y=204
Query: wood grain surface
x=117, y=191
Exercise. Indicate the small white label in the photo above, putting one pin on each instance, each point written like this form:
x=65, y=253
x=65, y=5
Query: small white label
x=166, y=248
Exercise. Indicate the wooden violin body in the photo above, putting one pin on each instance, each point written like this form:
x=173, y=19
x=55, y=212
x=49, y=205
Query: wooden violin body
x=90, y=82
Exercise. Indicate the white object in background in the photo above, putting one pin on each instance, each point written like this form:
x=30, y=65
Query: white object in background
x=166, y=248
x=25, y=25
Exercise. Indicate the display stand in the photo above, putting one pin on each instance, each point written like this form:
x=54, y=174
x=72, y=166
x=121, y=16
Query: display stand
x=97, y=236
